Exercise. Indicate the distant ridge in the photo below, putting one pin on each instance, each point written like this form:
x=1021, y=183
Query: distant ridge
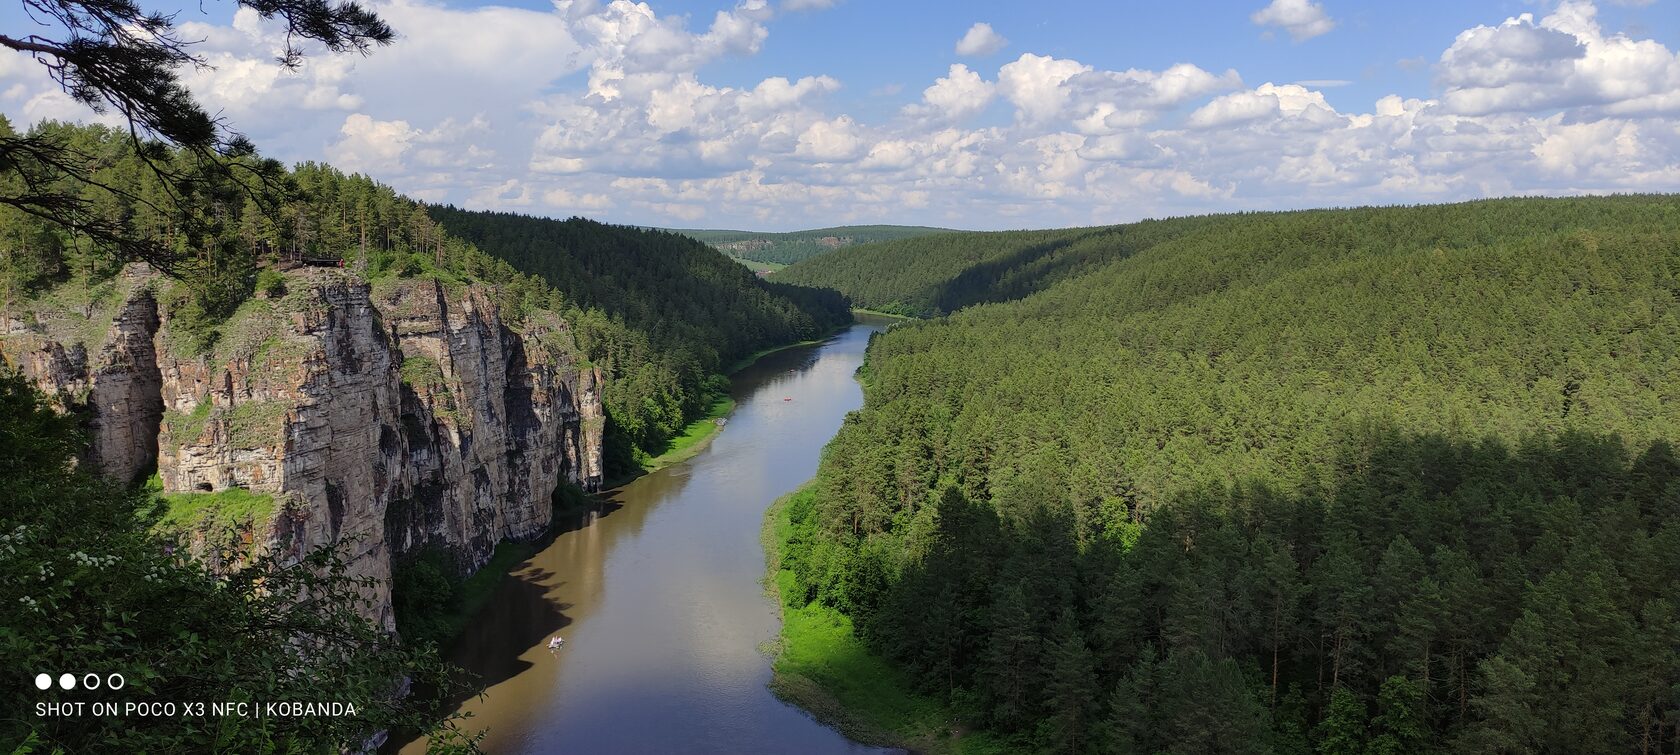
x=772, y=251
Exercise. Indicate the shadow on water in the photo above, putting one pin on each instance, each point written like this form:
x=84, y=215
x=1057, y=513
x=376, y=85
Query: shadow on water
x=659, y=580
x=518, y=615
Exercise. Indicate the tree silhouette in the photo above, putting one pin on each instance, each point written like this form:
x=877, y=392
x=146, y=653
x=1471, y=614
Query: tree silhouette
x=115, y=57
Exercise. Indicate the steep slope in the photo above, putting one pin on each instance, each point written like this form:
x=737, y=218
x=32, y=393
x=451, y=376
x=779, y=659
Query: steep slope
x=381, y=418
x=336, y=369
x=679, y=312
x=787, y=248
x=1364, y=467
x=934, y=275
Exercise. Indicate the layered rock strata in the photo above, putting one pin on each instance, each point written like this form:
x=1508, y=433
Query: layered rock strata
x=378, y=419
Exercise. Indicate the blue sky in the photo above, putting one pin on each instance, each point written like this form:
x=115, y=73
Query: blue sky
x=782, y=114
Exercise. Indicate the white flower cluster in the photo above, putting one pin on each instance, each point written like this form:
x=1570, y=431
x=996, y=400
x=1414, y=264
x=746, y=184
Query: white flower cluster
x=154, y=574
x=96, y=562
x=11, y=540
x=30, y=604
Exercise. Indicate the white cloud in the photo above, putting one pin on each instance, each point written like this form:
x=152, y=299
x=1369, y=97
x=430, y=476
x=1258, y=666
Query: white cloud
x=1303, y=19
x=371, y=146
x=605, y=108
x=1565, y=60
x=566, y=200
x=979, y=41
x=830, y=141
x=1267, y=100
x=1036, y=84
x=958, y=95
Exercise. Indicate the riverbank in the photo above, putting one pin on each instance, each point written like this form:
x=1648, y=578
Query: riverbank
x=693, y=438
x=748, y=360
x=821, y=666
x=878, y=313
x=695, y=435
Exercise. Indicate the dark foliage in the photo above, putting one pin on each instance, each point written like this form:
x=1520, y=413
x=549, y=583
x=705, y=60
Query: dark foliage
x=1384, y=480
x=682, y=311
x=114, y=56
x=90, y=587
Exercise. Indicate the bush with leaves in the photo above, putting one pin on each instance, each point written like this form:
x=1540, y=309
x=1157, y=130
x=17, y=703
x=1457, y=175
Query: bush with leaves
x=88, y=586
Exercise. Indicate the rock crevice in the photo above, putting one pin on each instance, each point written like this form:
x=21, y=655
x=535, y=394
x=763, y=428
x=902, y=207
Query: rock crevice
x=381, y=419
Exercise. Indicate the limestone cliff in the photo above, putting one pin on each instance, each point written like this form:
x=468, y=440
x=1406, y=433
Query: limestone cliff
x=378, y=418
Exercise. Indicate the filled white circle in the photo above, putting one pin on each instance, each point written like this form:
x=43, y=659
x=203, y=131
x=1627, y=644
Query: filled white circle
x=67, y=681
x=43, y=681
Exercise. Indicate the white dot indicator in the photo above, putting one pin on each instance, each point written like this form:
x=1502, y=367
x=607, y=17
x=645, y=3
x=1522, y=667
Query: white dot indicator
x=67, y=681
x=43, y=681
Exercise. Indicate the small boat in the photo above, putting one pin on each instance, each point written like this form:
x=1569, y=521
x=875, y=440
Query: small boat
x=787, y=398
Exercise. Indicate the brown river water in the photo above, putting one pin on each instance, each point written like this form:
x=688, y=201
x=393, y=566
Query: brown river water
x=660, y=596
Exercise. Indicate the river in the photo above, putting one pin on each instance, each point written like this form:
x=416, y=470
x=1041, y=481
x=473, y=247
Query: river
x=659, y=597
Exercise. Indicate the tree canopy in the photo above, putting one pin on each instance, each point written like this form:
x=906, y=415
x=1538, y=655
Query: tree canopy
x=685, y=311
x=116, y=57
x=1393, y=478
x=88, y=585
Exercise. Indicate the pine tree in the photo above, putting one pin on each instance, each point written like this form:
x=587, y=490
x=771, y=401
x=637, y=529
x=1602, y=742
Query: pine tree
x=1072, y=689
x=1012, y=668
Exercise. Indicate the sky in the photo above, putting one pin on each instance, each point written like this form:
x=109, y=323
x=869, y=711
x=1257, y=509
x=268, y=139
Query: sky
x=789, y=114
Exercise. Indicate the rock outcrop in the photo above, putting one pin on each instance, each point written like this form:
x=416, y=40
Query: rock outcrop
x=380, y=419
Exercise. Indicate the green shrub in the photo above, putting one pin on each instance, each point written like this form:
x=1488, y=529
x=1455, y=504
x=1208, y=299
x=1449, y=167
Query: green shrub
x=271, y=283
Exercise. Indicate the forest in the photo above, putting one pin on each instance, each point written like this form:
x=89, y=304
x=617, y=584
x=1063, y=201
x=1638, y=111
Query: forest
x=660, y=313
x=935, y=275
x=787, y=248
x=87, y=560
x=682, y=312
x=1377, y=480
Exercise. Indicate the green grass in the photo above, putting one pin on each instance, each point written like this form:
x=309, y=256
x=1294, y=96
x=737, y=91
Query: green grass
x=692, y=439
x=878, y=313
x=223, y=509
x=823, y=667
x=757, y=266
x=250, y=424
x=421, y=372
x=185, y=428
x=80, y=310
x=256, y=424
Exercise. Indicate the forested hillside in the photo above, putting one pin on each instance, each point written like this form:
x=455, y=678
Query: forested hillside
x=88, y=561
x=1375, y=480
x=934, y=275
x=681, y=311
x=791, y=247
x=237, y=237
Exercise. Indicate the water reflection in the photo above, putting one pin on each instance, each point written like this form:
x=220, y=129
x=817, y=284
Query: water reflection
x=659, y=598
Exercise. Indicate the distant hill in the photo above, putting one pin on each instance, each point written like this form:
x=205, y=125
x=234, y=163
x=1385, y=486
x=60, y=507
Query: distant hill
x=775, y=250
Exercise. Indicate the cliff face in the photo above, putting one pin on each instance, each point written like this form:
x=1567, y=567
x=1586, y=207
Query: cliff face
x=379, y=419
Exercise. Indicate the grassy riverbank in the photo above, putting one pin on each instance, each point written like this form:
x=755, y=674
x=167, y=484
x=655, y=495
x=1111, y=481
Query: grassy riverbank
x=823, y=667
x=748, y=360
x=693, y=438
x=878, y=313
